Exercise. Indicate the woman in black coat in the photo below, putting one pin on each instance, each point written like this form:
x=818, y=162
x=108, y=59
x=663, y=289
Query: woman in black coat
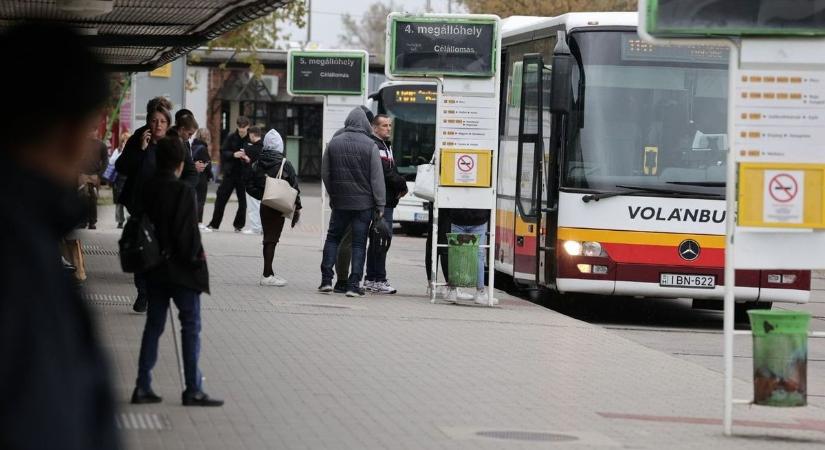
x=182, y=277
x=203, y=164
x=269, y=164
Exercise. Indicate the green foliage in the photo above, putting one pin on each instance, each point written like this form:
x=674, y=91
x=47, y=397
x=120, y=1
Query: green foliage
x=261, y=33
x=507, y=8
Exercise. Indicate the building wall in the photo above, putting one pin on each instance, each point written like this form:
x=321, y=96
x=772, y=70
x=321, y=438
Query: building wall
x=196, y=93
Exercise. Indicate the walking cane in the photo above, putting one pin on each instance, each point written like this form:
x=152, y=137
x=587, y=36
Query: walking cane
x=177, y=350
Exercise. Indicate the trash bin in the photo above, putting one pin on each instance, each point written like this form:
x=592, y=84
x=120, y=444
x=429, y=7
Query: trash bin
x=462, y=256
x=780, y=357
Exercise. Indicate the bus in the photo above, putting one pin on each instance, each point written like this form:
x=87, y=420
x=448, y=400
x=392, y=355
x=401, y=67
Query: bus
x=412, y=108
x=612, y=165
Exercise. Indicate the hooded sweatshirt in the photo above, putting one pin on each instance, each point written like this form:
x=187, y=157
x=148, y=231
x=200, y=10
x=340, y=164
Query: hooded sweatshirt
x=269, y=164
x=351, y=167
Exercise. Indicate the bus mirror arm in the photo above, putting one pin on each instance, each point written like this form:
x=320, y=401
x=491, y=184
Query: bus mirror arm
x=561, y=81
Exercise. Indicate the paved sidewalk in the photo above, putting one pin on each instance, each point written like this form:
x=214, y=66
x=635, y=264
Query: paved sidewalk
x=304, y=370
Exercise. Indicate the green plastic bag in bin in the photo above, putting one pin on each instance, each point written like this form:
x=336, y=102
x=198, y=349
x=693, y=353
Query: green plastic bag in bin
x=462, y=255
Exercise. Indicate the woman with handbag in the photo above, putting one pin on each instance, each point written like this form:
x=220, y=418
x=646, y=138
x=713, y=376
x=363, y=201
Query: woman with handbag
x=267, y=182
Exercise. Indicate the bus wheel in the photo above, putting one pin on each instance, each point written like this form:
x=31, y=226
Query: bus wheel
x=414, y=229
x=741, y=310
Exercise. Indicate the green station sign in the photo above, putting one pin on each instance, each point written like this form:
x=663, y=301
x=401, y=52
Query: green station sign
x=326, y=73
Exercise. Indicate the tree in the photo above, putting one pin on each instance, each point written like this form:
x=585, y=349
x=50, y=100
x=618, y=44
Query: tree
x=506, y=8
x=260, y=33
x=369, y=33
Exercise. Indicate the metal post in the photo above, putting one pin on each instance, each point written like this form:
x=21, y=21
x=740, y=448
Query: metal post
x=730, y=225
x=439, y=89
x=309, y=22
x=178, y=357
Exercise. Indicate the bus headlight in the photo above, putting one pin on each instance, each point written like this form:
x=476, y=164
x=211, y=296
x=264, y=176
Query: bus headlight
x=573, y=248
x=591, y=248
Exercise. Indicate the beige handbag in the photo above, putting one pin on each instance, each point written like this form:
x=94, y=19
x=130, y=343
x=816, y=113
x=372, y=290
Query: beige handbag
x=279, y=195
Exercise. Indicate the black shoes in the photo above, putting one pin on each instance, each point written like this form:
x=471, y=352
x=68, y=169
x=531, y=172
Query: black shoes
x=340, y=287
x=120, y=225
x=141, y=397
x=356, y=292
x=199, y=398
x=92, y=226
x=141, y=304
x=325, y=287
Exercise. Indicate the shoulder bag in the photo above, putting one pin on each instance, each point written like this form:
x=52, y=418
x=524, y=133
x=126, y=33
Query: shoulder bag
x=279, y=195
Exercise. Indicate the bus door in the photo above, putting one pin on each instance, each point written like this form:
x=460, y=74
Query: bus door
x=532, y=163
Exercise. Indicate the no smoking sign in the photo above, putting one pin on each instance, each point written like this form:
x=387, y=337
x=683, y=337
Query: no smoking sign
x=466, y=168
x=783, y=196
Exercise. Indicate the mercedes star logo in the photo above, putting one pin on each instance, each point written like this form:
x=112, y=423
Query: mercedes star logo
x=689, y=250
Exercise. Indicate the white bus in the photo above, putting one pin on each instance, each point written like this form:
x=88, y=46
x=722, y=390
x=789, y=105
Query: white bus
x=612, y=165
x=412, y=107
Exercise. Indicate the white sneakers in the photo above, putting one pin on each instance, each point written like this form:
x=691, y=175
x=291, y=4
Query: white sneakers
x=204, y=228
x=453, y=295
x=273, y=280
x=481, y=298
x=379, y=287
x=249, y=231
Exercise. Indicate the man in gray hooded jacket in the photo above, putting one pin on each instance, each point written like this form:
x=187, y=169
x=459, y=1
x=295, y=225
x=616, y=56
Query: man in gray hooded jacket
x=354, y=178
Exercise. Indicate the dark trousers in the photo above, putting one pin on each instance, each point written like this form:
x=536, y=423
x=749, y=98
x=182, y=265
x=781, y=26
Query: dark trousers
x=188, y=302
x=338, y=223
x=443, y=228
x=88, y=194
x=229, y=184
x=201, y=190
x=141, y=284
x=377, y=261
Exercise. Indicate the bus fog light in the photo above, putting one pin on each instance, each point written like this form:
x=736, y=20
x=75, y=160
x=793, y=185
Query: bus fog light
x=573, y=248
x=601, y=270
x=774, y=278
x=584, y=268
x=788, y=279
x=592, y=249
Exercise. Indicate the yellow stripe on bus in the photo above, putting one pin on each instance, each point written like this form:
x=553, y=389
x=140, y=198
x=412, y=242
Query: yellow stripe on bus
x=638, y=237
x=504, y=219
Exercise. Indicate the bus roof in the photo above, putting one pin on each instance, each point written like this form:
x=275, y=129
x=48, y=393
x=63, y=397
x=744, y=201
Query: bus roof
x=526, y=24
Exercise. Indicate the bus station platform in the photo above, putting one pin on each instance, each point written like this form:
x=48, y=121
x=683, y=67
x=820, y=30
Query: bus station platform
x=303, y=370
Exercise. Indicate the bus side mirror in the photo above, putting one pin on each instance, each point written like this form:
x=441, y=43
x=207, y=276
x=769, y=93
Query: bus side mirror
x=561, y=84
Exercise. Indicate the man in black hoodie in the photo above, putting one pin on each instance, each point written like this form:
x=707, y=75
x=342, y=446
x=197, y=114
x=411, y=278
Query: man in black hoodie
x=354, y=178
x=232, y=167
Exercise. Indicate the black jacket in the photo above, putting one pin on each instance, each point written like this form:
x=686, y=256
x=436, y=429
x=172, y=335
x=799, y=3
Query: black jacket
x=394, y=183
x=172, y=208
x=54, y=380
x=200, y=152
x=232, y=167
x=139, y=165
x=268, y=164
x=351, y=167
x=469, y=217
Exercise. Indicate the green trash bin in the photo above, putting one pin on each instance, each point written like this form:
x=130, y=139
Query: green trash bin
x=780, y=357
x=462, y=255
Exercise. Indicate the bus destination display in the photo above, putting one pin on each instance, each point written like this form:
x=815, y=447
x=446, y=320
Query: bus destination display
x=415, y=96
x=321, y=74
x=443, y=47
x=735, y=17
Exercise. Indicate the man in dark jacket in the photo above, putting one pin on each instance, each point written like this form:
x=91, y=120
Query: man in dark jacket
x=95, y=162
x=181, y=277
x=54, y=381
x=354, y=179
x=232, y=167
x=396, y=187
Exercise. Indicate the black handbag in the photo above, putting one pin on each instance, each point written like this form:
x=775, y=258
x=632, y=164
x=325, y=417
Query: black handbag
x=139, y=247
x=380, y=236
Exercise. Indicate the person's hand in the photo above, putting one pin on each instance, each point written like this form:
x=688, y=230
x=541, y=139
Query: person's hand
x=296, y=216
x=245, y=158
x=379, y=213
x=200, y=166
x=145, y=138
x=239, y=154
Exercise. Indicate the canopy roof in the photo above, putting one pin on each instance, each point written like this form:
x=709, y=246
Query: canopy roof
x=140, y=35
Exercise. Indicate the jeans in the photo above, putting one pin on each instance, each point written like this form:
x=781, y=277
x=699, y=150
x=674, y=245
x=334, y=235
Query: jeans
x=188, y=302
x=344, y=256
x=229, y=184
x=481, y=231
x=253, y=213
x=377, y=264
x=338, y=223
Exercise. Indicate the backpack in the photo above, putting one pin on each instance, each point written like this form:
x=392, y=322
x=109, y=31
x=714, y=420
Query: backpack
x=139, y=247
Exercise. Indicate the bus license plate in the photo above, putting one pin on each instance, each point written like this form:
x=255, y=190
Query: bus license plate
x=421, y=217
x=687, y=280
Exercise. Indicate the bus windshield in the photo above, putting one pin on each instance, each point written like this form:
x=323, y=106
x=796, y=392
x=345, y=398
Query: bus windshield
x=412, y=109
x=653, y=116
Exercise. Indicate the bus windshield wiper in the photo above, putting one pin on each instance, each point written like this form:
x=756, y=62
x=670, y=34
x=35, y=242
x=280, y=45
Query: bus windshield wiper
x=699, y=183
x=631, y=190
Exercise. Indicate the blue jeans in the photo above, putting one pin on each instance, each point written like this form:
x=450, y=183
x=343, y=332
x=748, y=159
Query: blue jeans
x=481, y=231
x=188, y=302
x=377, y=264
x=338, y=223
